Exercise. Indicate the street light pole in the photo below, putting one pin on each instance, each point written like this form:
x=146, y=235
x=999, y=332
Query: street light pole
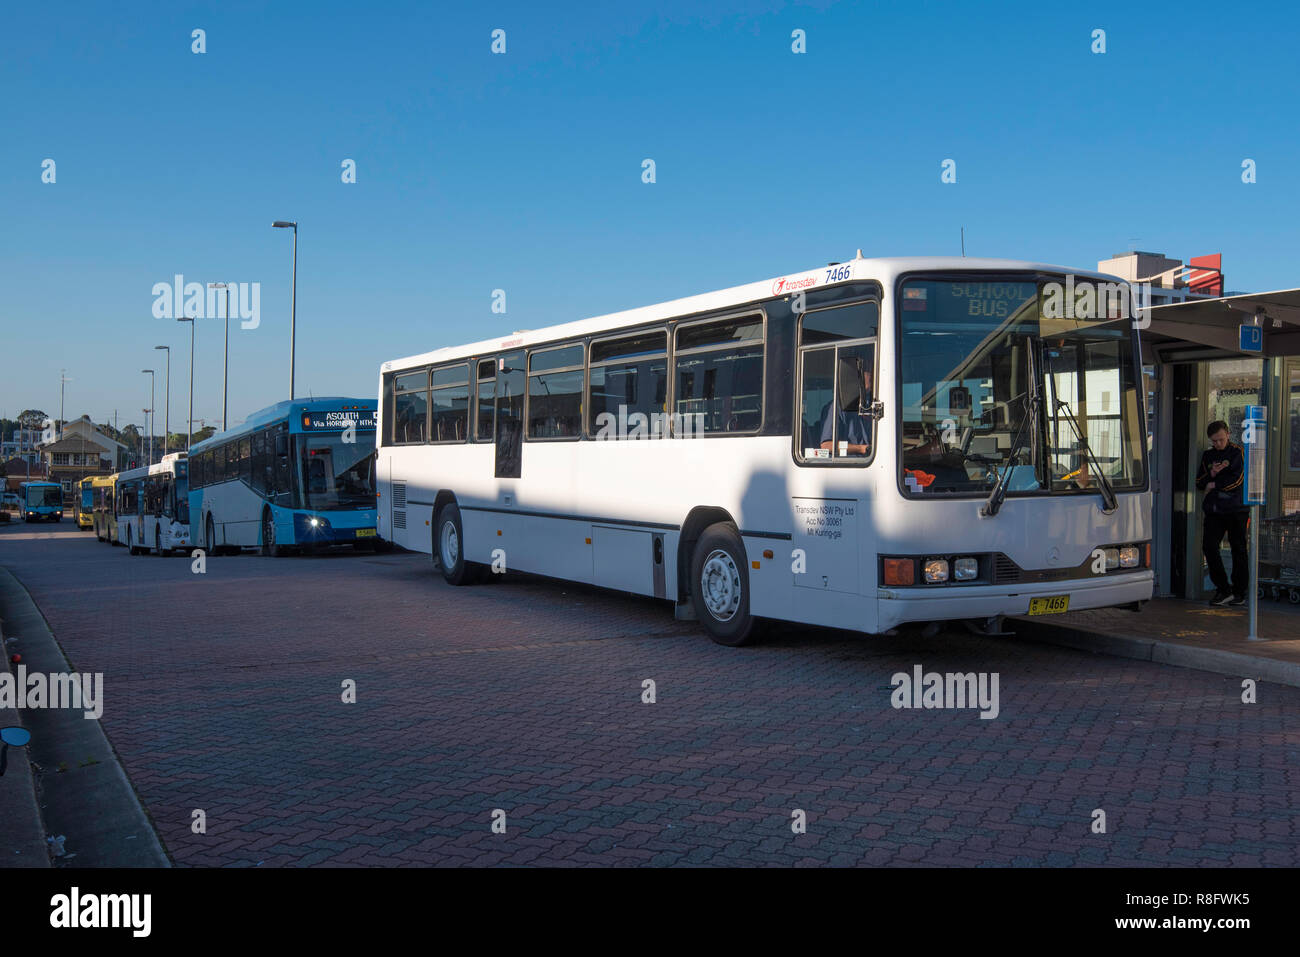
x=151, y=412
x=167, y=403
x=293, y=300
x=225, y=360
x=189, y=422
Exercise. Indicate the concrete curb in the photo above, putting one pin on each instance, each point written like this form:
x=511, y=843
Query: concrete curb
x=85, y=793
x=22, y=838
x=1161, y=652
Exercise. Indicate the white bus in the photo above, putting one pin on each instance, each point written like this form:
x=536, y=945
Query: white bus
x=860, y=446
x=152, y=506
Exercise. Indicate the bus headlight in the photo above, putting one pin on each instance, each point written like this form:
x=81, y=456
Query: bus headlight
x=965, y=569
x=1128, y=557
x=1112, y=558
x=936, y=570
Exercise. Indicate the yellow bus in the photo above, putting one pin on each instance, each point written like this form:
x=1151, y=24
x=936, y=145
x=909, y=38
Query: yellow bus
x=84, y=507
x=101, y=488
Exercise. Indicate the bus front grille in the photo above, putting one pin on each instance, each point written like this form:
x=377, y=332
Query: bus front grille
x=1005, y=571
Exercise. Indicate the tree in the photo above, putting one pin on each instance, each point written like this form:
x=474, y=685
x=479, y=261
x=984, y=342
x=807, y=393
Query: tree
x=207, y=432
x=32, y=419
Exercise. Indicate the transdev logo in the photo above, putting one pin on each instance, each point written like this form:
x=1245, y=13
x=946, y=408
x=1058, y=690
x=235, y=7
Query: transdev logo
x=785, y=284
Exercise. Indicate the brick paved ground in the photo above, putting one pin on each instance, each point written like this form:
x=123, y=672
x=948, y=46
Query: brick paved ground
x=1198, y=624
x=223, y=693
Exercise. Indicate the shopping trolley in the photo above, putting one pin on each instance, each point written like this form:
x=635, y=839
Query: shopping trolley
x=1279, y=559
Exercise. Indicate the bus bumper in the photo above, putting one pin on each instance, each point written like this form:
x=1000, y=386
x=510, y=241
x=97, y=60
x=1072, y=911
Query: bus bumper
x=953, y=603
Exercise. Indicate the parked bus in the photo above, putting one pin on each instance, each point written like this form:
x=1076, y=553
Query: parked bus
x=41, y=501
x=154, y=506
x=865, y=445
x=299, y=474
x=102, y=518
x=85, y=509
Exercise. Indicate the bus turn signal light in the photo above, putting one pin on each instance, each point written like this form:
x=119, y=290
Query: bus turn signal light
x=900, y=571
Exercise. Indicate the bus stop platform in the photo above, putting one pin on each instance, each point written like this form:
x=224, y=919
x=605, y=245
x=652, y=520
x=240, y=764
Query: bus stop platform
x=1188, y=634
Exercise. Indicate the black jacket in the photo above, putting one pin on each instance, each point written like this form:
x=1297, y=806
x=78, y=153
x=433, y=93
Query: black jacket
x=1226, y=496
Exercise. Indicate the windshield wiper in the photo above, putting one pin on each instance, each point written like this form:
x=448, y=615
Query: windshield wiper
x=999, y=493
x=1104, y=488
x=1032, y=397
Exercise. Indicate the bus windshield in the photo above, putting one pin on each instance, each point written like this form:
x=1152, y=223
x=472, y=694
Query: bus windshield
x=87, y=498
x=996, y=388
x=44, y=496
x=336, y=474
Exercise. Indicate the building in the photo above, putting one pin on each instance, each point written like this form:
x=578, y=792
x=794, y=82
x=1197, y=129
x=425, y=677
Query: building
x=81, y=450
x=1195, y=371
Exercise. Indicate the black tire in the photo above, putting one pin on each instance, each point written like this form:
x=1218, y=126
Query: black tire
x=449, y=548
x=157, y=541
x=209, y=536
x=720, y=586
x=130, y=543
x=268, y=546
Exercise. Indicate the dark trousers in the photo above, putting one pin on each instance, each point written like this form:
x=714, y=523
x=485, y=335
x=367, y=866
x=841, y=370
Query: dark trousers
x=1234, y=524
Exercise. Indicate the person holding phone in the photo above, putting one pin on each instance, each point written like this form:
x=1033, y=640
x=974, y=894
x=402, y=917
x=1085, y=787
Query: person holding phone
x=1220, y=477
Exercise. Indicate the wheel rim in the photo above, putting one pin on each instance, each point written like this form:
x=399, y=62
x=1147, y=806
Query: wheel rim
x=449, y=547
x=268, y=532
x=720, y=585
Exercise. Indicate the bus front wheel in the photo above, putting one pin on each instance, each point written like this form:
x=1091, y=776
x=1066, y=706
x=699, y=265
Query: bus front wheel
x=720, y=586
x=269, y=546
x=449, y=548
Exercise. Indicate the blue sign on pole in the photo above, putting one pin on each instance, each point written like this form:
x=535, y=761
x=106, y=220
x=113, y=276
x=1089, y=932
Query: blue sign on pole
x=1254, y=441
x=1252, y=338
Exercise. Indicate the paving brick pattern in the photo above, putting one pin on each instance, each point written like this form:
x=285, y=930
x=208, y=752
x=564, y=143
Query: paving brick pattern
x=1199, y=624
x=223, y=692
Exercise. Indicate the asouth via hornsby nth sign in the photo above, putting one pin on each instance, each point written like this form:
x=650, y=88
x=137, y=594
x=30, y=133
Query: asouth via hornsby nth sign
x=339, y=419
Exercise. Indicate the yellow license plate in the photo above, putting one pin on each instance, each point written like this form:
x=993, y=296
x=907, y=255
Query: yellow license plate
x=1049, y=606
x=365, y=533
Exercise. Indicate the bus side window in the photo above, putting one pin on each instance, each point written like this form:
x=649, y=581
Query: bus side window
x=485, y=415
x=510, y=414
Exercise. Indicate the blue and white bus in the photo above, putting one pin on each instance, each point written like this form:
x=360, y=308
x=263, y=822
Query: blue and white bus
x=41, y=501
x=298, y=474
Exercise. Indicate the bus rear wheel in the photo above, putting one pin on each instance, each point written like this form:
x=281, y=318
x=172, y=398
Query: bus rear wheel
x=269, y=546
x=720, y=586
x=209, y=537
x=449, y=548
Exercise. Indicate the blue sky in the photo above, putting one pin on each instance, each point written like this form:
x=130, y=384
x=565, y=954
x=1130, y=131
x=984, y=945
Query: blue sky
x=522, y=171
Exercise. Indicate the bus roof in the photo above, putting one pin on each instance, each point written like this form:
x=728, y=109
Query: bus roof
x=287, y=409
x=883, y=270
x=38, y=484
